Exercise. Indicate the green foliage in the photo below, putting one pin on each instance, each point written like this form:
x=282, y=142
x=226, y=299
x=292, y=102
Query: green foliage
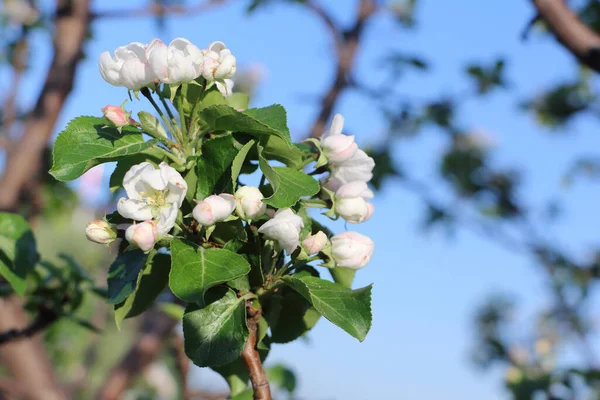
x=87, y=142
x=216, y=334
x=123, y=275
x=348, y=309
x=18, y=254
x=487, y=78
x=213, y=169
x=195, y=269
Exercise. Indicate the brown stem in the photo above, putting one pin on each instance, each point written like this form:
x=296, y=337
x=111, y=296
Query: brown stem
x=347, y=49
x=250, y=356
x=569, y=30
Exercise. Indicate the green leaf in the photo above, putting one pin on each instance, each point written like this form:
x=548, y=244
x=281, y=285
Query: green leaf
x=195, y=269
x=279, y=149
x=230, y=230
x=343, y=276
x=270, y=120
x=173, y=310
x=286, y=313
x=238, y=162
x=238, y=100
x=282, y=377
x=150, y=283
x=216, y=334
x=289, y=185
x=124, y=164
x=123, y=275
x=214, y=166
x=18, y=254
x=348, y=309
x=237, y=376
x=87, y=142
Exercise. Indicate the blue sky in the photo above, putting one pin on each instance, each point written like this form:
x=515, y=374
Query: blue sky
x=426, y=285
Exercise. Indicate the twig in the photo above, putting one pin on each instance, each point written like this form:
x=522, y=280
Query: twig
x=250, y=356
x=347, y=50
x=159, y=10
x=569, y=30
x=44, y=319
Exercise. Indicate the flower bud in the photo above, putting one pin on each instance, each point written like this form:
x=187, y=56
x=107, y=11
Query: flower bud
x=339, y=148
x=351, y=250
x=315, y=243
x=117, y=116
x=100, y=231
x=152, y=125
x=249, y=205
x=214, y=209
x=142, y=235
x=351, y=202
x=219, y=65
x=284, y=228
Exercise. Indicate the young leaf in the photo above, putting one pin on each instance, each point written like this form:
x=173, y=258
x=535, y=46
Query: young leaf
x=18, y=254
x=289, y=185
x=348, y=309
x=216, y=334
x=278, y=149
x=238, y=162
x=150, y=283
x=343, y=276
x=195, y=269
x=87, y=142
x=238, y=100
x=237, y=376
x=213, y=167
x=260, y=122
x=123, y=275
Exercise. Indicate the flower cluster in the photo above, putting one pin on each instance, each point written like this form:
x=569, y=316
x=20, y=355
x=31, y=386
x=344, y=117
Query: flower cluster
x=139, y=65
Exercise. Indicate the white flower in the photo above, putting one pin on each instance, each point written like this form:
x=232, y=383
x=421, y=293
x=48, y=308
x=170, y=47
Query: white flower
x=315, y=243
x=358, y=168
x=351, y=202
x=219, y=66
x=153, y=193
x=179, y=62
x=249, y=205
x=100, y=231
x=143, y=235
x=128, y=67
x=336, y=146
x=214, y=209
x=284, y=228
x=351, y=250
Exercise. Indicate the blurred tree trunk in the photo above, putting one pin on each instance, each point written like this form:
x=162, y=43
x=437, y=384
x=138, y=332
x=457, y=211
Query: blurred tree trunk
x=27, y=359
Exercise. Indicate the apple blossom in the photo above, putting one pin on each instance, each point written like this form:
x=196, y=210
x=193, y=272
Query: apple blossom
x=219, y=66
x=128, y=67
x=351, y=202
x=357, y=168
x=100, y=231
x=315, y=243
x=143, y=235
x=117, y=116
x=284, y=228
x=151, y=192
x=351, y=250
x=214, y=209
x=249, y=205
x=179, y=62
x=336, y=146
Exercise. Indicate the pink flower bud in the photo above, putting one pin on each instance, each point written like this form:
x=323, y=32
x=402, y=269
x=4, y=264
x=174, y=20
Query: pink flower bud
x=214, y=209
x=315, y=243
x=100, y=231
x=117, y=116
x=351, y=202
x=339, y=148
x=351, y=250
x=142, y=235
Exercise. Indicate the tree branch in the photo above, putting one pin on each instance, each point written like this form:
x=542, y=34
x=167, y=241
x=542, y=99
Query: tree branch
x=154, y=331
x=347, y=50
x=44, y=319
x=569, y=30
x=156, y=9
x=250, y=356
x=23, y=161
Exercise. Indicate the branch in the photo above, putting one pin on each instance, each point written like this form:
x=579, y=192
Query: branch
x=347, y=50
x=44, y=319
x=334, y=30
x=24, y=159
x=258, y=377
x=154, y=331
x=569, y=30
x=156, y=9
